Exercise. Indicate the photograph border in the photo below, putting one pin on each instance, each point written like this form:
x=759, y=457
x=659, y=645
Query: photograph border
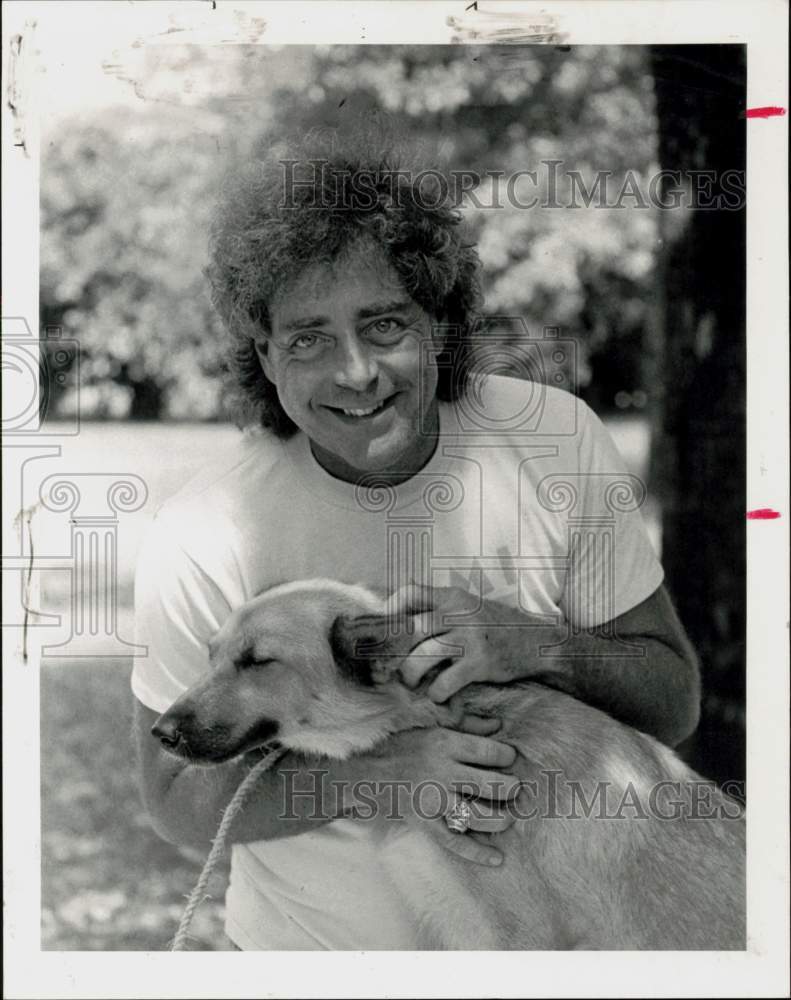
x=762, y=970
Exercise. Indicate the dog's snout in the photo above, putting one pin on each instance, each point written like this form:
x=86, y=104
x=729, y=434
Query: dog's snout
x=167, y=731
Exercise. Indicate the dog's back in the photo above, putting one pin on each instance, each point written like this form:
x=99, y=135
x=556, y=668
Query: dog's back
x=619, y=845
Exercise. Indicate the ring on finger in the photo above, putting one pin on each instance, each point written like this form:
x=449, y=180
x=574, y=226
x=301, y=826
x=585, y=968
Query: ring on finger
x=458, y=817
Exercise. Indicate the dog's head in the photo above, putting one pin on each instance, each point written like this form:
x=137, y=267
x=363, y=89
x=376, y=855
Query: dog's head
x=313, y=665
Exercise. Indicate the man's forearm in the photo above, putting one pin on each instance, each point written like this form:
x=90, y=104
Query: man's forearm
x=188, y=811
x=646, y=684
x=295, y=796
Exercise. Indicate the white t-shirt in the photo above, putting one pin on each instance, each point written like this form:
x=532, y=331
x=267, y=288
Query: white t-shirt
x=524, y=501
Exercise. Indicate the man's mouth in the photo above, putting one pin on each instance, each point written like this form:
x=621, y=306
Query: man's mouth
x=361, y=413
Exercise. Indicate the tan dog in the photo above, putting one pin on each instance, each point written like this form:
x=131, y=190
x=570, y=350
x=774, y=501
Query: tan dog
x=622, y=845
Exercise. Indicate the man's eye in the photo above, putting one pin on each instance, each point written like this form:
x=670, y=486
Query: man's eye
x=386, y=330
x=307, y=345
x=304, y=341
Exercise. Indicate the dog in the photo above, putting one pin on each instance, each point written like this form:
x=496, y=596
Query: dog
x=663, y=871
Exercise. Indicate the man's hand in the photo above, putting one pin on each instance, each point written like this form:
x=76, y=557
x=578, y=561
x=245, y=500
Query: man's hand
x=445, y=764
x=501, y=646
x=639, y=667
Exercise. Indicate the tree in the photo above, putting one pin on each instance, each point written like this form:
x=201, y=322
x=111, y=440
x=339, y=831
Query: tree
x=125, y=202
x=700, y=92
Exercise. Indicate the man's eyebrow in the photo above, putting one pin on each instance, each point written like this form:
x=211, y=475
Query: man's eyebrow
x=305, y=323
x=366, y=312
x=377, y=308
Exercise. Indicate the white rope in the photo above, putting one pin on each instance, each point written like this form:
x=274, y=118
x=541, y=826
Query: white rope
x=232, y=810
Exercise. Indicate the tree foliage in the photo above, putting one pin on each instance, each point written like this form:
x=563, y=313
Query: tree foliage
x=126, y=196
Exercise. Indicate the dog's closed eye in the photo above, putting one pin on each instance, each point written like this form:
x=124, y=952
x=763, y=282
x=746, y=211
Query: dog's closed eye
x=248, y=661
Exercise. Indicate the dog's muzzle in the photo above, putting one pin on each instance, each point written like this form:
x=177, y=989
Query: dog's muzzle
x=184, y=734
x=167, y=731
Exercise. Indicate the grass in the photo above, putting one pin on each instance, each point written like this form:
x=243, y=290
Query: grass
x=108, y=882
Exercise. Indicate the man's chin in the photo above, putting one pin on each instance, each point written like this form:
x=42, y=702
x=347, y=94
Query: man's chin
x=379, y=457
x=388, y=463
x=396, y=454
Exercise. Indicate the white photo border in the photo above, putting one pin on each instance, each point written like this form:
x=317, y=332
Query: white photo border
x=760, y=971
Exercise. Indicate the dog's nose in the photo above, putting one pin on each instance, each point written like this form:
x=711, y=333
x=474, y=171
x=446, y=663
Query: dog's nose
x=167, y=731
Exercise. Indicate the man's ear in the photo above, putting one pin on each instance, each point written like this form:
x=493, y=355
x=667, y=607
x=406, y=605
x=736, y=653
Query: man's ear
x=360, y=649
x=265, y=358
x=439, y=333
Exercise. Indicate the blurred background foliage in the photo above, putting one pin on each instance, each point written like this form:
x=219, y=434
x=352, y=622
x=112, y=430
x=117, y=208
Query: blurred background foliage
x=127, y=193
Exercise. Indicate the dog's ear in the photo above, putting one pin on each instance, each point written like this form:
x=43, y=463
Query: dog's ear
x=359, y=647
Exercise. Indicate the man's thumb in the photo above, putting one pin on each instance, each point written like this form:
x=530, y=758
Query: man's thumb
x=410, y=599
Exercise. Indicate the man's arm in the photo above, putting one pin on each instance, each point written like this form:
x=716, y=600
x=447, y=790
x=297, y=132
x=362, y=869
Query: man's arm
x=186, y=801
x=654, y=686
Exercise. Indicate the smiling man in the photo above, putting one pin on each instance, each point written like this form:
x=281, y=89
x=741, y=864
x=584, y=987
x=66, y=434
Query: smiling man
x=350, y=297
x=345, y=355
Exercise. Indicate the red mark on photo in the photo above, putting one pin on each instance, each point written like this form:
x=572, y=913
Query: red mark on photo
x=762, y=514
x=768, y=112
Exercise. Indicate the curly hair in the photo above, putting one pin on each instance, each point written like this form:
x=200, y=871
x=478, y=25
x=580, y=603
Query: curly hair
x=310, y=202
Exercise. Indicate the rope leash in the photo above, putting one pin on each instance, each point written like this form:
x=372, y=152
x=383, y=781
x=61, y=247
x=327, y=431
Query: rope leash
x=232, y=810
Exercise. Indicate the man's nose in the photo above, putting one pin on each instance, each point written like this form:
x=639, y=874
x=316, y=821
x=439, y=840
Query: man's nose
x=357, y=367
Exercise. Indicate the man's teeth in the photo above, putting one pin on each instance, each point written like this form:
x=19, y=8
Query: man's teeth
x=364, y=413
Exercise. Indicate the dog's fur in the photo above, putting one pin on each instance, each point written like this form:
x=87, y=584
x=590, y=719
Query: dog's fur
x=287, y=666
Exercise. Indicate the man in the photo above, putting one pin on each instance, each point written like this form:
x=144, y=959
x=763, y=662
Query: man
x=350, y=295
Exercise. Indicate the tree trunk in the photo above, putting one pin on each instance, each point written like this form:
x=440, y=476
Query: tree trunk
x=700, y=94
x=148, y=395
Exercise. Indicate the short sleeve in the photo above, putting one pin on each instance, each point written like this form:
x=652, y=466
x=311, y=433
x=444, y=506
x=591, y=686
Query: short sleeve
x=612, y=564
x=178, y=608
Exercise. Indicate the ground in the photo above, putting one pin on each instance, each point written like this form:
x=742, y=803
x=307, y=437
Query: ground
x=108, y=882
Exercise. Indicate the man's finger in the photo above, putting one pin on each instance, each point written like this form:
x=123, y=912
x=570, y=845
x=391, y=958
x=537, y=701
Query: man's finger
x=481, y=751
x=426, y=655
x=425, y=625
x=489, y=817
x=478, y=725
x=454, y=600
x=457, y=676
x=410, y=599
x=465, y=846
x=492, y=824
x=490, y=785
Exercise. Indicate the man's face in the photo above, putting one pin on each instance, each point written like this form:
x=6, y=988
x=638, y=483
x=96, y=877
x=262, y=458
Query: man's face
x=345, y=356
